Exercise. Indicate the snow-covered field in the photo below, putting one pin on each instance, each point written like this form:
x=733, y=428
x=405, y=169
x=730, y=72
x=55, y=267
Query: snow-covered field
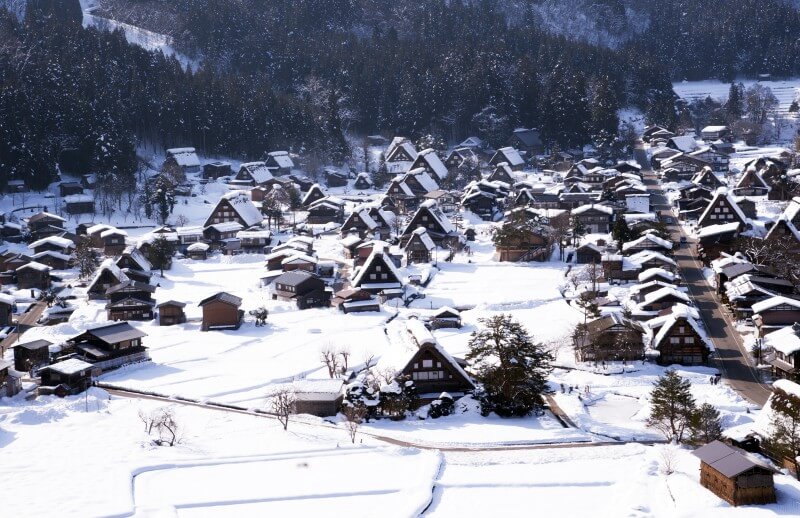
x=785, y=90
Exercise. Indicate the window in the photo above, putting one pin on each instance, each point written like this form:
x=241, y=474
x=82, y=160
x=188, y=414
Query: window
x=725, y=210
x=378, y=268
x=681, y=329
x=675, y=340
x=716, y=209
x=384, y=276
x=688, y=340
x=427, y=364
x=372, y=276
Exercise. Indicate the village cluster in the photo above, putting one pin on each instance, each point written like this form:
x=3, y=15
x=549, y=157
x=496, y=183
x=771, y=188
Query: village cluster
x=342, y=243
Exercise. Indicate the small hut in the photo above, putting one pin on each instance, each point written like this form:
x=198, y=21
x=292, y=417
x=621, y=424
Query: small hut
x=734, y=475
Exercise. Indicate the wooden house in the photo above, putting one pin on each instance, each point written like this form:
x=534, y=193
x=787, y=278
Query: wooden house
x=303, y=288
x=751, y=184
x=326, y=210
x=722, y=209
x=359, y=222
x=54, y=260
x=184, y=158
x=612, y=337
x=52, y=244
x=510, y=156
x=335, y=178
x=714, y=240
x=502, y=173
x=430, y=162
x=594, y=218
x=299, y=261
x=113, y=241
x=662, y=298
x=783, y=352
x=657, y=274
x=45, y=224
x=129, y=308
x=79, y=204
x=109, y=346
x=717, y=160
x=446, y=317
x=678, y=338
x=33, y=275
x=279, y=162
x=69, y=188
x=108, y=274
x=378, y=274
x=734, y=475
x=171, y=313
x=197, y=251
x=253, y=174
x=420, y=247
x=219, y=233
x=355, y=300
x=528, y=140
x=430, y=367
x=774, y=313
x=29, y=356
x=707, y=179
x=67, y=377
x=363, y=181
x=653, y=130
x=321, y=398
x=313, y=195
x=712, y=133
x=683, y=143
x=589, y=253
x=458, y=157
x=254, y=241
x=400, y=150
x=235, y=206
x=217, y=169
x=221, y=311
x=647, y=242
x=133, y=259
x=440, y=229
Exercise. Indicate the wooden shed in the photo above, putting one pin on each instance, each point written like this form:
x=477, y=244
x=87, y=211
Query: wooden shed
x=734, y=475
x=30, y=355
x=221, y=311
x=171, y=312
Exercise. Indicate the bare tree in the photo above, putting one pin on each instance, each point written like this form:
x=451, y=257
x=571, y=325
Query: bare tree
x=354, y=415
x=344, y=355
x=281, y=404
x=330, y=358
x=164, y=424
x=668, y=458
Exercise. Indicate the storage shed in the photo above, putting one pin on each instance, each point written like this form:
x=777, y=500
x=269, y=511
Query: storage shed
x=734, y=475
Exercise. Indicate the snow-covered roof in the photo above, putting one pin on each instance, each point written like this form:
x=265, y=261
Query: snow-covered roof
x=378, y=252
x=282, y=158
x=60, y=242
x=434, y=162
x=436, y=212
x=197, y=247
x=78, y=198
x=419, y=332
x=111, y=266
x=424, y=179
x=7, y=299
x=299, y=258
x=723, y=193
x=786, y=340
x=713, y=129
x=663, y=243
x=512, y=156
x=650, y=273
x=53, y=254
x=69, y=367
x=112, y=232
x=184, y=156
x=646, y=255
x=666, y=291
x=723, y=228
x=244, y=207
x=33, y=265
x=585, y=208
x=772, y=302
x=685, y=144
x=94, y=229
x=254, y=234
x=679, y=311
x=423, y=235
x=258, y=171
x=228, y=226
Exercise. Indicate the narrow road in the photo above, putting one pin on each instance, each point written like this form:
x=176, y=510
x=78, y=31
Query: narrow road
x=731, y=357
x=26, y=321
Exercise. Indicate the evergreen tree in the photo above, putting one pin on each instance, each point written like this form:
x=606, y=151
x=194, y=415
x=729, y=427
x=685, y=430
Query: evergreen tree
x=85, y=258
x=672, y=406
x=161, y=253
x=512, y=367
x=163, y=198
x=620, y=231
x=705, y=425
x=734, y=106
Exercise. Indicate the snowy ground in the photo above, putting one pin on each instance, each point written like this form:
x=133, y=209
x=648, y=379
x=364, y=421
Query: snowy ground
x=786, y=90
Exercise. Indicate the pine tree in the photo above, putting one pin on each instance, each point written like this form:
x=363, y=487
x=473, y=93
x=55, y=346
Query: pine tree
x=672, y=406
x=85, y=258
x=163, y=198
x=161, y=253
x=705, y=425
x=734, y=106
x=512, y=367
x=620, y=231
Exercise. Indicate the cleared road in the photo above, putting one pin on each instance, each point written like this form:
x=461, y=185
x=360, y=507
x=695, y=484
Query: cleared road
x=732, y=358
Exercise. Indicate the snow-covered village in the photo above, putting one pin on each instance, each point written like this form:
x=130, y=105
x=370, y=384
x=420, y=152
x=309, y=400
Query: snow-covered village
x=583, y=300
